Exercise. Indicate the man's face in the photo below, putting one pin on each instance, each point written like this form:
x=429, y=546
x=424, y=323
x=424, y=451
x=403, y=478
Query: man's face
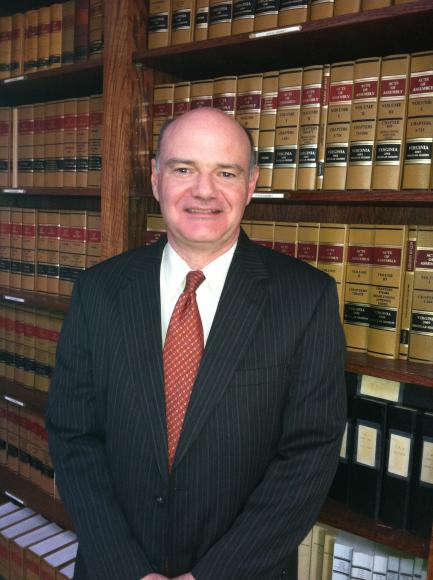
x=203, y=183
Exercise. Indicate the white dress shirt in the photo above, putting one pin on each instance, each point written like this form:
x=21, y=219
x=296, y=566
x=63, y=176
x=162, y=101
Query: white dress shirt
x=172, y=283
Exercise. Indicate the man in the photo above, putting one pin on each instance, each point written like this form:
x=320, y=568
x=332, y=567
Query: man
x=242, y=482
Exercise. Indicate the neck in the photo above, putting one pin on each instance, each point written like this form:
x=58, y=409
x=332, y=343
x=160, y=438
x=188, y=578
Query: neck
x=199, y=258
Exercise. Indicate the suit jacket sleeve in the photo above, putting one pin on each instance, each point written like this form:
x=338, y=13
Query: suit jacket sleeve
x=286, y=503
x=76, y=445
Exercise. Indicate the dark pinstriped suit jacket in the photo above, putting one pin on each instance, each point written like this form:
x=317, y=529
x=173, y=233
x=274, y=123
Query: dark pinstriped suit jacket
x=261, y=436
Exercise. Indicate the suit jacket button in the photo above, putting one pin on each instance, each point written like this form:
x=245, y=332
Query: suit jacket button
x=160, y=500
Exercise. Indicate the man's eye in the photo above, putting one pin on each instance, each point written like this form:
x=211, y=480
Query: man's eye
x=182, y=170
x=227, y=174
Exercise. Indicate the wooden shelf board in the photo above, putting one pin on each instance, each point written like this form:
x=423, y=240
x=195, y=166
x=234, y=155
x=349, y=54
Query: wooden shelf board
x=53, y=191
x=412, y=197
x=50, y=302
x=33, y=497
x=32, y=398
x=336, y=514
x=378, y=31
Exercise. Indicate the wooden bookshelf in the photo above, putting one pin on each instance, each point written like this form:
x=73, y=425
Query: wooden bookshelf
x=53, y=191
x=23, y=396
x=50, y=302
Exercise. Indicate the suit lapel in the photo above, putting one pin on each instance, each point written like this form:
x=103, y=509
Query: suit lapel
x=239, y=311
x=141, y=321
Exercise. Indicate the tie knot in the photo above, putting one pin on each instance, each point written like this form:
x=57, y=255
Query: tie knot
x=193, y=280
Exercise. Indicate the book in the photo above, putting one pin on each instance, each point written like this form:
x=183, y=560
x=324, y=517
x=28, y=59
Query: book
x=421, y=502
x=324, y=104
x=338, y=125
x=248, y=103
x=201, y=93
x=362, y=559
x=5, y=149
x=342, y=557
x=224, y=94
x=55, y=52
x=35, y=553
x=47, y=255
x=25, y=145
x=220, y=18
x=38, y=145
x=70, y=143
x=266, y=14
x=31, y=41
x=308, y=242
x=372, y=4
x=28, y=255
x=49, y=140
x=262, y=232
x=159, y=23
x=5, y=46
x=293, y=12
x=346, y=7
x=182, y=21
x=96, y=131
x=18, y=34
x=286, y=238
x=21, y=543
x=304, y=555
x=96, y=28
x=181, y=98
x=332, y=255
x=243, y=16
x=317, y=550
x=53, y=562
x=201, y=22
x=162, y=109
x=44, y=25
x=68, y=32
x=407, y=292
x=363, y=123
x=321, y=9
x=268, y=116
x=83, y=139
x=81, y=30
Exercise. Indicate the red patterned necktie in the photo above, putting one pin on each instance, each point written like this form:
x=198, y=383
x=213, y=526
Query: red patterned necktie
x=182, y=354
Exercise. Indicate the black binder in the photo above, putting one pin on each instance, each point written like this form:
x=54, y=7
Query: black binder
x=421, y=501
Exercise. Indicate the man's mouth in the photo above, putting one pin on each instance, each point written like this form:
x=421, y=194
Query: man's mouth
x=203, y=211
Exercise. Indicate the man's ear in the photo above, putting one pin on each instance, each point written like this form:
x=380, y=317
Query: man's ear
x=154, y=179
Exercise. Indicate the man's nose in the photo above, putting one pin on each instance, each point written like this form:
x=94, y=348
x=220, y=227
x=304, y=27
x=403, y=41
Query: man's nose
x=204, y=186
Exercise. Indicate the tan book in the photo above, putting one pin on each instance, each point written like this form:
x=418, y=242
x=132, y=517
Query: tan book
x=406, y=304
x=321, y=9
x=419, y=130
x=286, y=238
x=159, y=23
x=308, y=242
x=56, y=16
x=262, y=232
x=44, y=24
x=391, y=122
x=182, y=21
x=34, y=554
x=5, y=265
x=31, y=41
x=309, y=130
x=293, y=12
x=70, y=143
x=328, y=554
x=201, y=93
x=248, y=101
x=5, y=46
x=155, y=228
x=201, y=23
x=29, y=350
x=9, y=342
x=47, y=270
x=19, y=362
x=267, y=123
x=50, y=154
x=68, y=29
x=287, y=129
x=5, y=245
x=28, y=258
x=96, y=131
x=72, y=255
x=324, y=105
x=83, y=124
x=38, y=145
x=93, y=234
x=363, y=123
x=96, y=28
x=372, y=4
x=317, y=550
x=182, y=98
x=25, y=145
x=16, y=246
x=389, y=258
x=338, y=125
x=220, y=18
x=5, y=149
x=13, y=426
x=421, y=330
x=224, y=94
x=266, y=14
x=58, y=150
x=42, y=383
x=346, y=7
x=162, y=108
x=243, y=16
x=3, y=421
x=304, y=556
x=357, y=286
x=18, y=33
x=332, y=255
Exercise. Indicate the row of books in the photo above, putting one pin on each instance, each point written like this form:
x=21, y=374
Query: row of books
x=384, y=276
x=330, y=554
x=52, y=144
x=173, y=22
x=45, y=250
x=28, y=342
x=34, y=548
x=356, y=125
x=386, y=458
x=24, y=446
x=50, y=37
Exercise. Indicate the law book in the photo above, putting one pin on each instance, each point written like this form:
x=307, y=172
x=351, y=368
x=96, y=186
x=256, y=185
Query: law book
x=421, y=501
x=328, y=552
x=13, y=429
x=201, y=93
x=332, y=255
x=50, y=127
x=83, y=131
x=48, y=242
x=317, y=549
x=41, y=382
x=421, y=328
x=308, y=242
x=16, y=246
x=401, y=425
x=31, y=41
x=182, y=21
x=38, y=145
x=3, y=421
x=70, y=143
x=19, y=364
x=5, y=149
x=312, y=82
x=56, y=16
x=293, y=12
x=201, y=21
x=419, y=131
x=96, y=133
x=324, y=104
x=25, y=145
x=407, y=292
x=21, y=543
x=321, y=9
x=18, y=34
x=96, y=28
x=155, y=228
x=248, y=104
x=338, y=125
x=159, y=23
x=220, y=18
x=304, y=555
x=35, y=553
x=72, y=250
x=287, y=129
x=346, y=7
x=373, y=4
x=29, y=354
x=5, y=46
x=389, y=256
x=181, y=98
x=44, y=22
x=28, y=256
x=68, y=32
x=366, y=468
x=243, y=16
x=363, y=123
x=342, y=557
x=266, y=14
x=9, y=314
x=262, y=232
x=268, y=116
x=391, y=122
x=357, y=286
x=224, y=94
x=286, y=238
x=81, y=30
x=5, y=245
x=52, y=563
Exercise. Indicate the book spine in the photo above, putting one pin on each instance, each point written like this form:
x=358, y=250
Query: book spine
x=182, y=21
x=159, y=23
x=266, y=14
x=38, y=146
x=59, y=141
x=248, y=103
x=83, y=126
x=293, y=12
x=201, y=21
x=201, y=93
x=162, y=109
x=31, y=41
x=70, y=144
x=44, y=21
x=182, y=98
x=25, y=145
x=321, y=9
x=96, y=28
x=56, y=15
x=5, y=149
x=308, y=242
x=266, y=143
x=96, y=129
x=5, y=246
x=332, y=255
x=28, y=265
x=6, y=29
x=68, y=32
x=243, y=16
x=81, y=32
x=224, y=94
x=346, y=7
x=407, y=292
x=220, y=18
x=321, y=149
x=286, y=238
x=18, y=34
x=50, y=144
